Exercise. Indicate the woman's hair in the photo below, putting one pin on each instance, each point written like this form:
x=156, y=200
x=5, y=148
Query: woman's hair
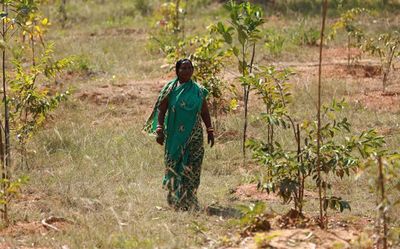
x=179, y=64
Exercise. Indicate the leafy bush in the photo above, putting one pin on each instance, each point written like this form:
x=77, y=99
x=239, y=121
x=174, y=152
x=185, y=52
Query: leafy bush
x=355, y=34
x=245, y=22
x=387, y=47
x=286, y=170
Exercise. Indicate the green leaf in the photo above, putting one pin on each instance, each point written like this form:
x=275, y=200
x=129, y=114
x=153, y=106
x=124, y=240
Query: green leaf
x=242, y=37
x=233, y=105
x=3, y=15
x=344, y=205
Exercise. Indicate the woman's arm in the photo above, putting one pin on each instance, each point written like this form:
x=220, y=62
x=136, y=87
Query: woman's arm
x=205, y=115
x=162, y=110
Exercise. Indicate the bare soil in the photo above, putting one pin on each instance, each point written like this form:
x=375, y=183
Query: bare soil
x=294, y=230
x=251, y=192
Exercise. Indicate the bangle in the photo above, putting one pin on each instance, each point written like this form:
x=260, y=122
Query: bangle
x=210, y=129
x=160, y=127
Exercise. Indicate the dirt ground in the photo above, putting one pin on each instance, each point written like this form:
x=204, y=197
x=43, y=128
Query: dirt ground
x=297, y=231
x=364, y=72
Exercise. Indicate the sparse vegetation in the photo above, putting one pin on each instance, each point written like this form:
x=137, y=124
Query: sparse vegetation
x=97, y=178
x=387, y=47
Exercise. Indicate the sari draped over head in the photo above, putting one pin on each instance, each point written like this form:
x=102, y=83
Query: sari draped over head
x=181, y=121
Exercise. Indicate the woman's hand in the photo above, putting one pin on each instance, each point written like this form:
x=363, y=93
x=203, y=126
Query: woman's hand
x=160, y=136
x=210, y=138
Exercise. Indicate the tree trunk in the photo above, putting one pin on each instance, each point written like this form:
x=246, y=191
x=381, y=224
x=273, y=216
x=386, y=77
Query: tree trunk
x=322, y=217
x=384, y=81
x=63, y=12
x=6, y=150
x=348, y=50
x=382, y=203
x=176, y=21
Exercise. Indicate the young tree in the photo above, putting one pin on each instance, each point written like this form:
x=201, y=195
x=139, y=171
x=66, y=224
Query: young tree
x=355, y=34
x=323, y=218
x=27, y=92
x=245, y=21
x=387, y=47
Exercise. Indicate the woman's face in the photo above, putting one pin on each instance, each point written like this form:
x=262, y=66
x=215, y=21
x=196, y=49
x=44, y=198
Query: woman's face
x=185, y=72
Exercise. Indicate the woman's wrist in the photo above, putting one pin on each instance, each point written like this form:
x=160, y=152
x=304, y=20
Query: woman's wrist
x=210, y=129
x=160, y=129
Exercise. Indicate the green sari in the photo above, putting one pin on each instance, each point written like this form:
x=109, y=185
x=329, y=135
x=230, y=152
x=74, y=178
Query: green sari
x=184, y=150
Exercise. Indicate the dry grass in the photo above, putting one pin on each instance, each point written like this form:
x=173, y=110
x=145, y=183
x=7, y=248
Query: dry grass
x=93, y=166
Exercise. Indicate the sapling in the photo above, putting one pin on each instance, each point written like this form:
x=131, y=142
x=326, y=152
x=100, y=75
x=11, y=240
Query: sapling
x=26, y=103
x=387, y=47
x=245, y=21
x=285, y=169
x=6, y=155
x=321, y=215
x=382, y=208
x=383, y=170
x=354, y=32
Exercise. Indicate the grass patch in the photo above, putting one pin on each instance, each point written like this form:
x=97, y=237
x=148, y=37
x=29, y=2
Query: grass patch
x=94, y=166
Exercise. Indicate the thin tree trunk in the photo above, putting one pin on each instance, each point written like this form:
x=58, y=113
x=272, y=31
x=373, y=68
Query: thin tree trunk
x=245, y=105
x=272, y=137
x=3, y=170
x=386, y=67
x=384, y=81
x=185, y=12
x=7, y=159
x=300, y=174
x=33, y=50
x=348, y=51
x=382, y=204
x=63, y=12
x=245, y=126
x=321, y=216
x=176, y=21
x=246, y=99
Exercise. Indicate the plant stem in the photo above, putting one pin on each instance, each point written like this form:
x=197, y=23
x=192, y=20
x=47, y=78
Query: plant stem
x=383, y=201
x=246, y=98
x=384, y=80
x=7, y=158
x=348, y=51
x=300, y=177
x=63, y=12
x=184, y=17
x=386, y=67
x=176, y=21
x=245, y=103
x=3, y=169
x=33, y=50
x=321, y=216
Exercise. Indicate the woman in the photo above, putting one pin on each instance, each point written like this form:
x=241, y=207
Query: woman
x=176, y=119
